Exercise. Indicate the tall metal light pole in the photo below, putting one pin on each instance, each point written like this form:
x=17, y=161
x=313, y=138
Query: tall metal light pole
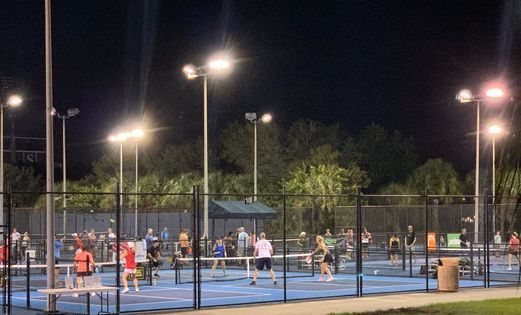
x=465, y=96
x=122, y=137
x=49, y=163
x=71, y=112
x=12, y=101
x=252, y=117
x=218, y=65
x=494, y=130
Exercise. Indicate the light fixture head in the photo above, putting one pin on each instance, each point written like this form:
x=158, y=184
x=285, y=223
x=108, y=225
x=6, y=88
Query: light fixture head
x=190, y=71
x=73, y=111
x=495, y=130
x=266, y=118
x=137, y=133
x=495, y=93
x=14, y=100
x=252, y=117
x=465, y=96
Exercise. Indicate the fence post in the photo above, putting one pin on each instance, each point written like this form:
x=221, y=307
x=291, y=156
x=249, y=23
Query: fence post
x=284, y=241
x=118, y=243
x=9, y=228
x=486, y=249
x=426, y=241
x=359, y=269
x=28, y=280
x=198, y=252
x=195, y=199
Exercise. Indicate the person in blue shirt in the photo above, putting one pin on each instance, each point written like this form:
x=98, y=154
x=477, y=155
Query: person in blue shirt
x=219, y=252
x=58, y=245
x=149, y=238
x=165, y=237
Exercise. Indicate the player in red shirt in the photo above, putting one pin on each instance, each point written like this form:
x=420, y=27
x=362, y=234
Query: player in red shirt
x=130, y=266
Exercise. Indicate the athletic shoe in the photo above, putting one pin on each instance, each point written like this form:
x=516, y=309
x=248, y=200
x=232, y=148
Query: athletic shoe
x=156, y=275
x=124, y=291
x=252, y=283
x=509, y=268
x=93, y=294
x=321, y=279
x=275, y=282
x=330, y=279
x=137, y=289
x=75, y=294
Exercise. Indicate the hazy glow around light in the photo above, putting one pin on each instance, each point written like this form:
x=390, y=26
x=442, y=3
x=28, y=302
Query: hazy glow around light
x=137, y=133
x=495, y=129
x=266, y=118
x=122, y=136
x=113, y=138
x=14, y=100
x=495, y=93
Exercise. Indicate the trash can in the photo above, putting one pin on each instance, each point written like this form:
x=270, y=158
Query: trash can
x=448, y=274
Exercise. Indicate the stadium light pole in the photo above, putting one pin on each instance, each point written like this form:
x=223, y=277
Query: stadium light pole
x=121, y=137
x=466, y=96
x=71, y=112
x=217, y=65
x=12, y=101
x=252, y=117
x=494, y=131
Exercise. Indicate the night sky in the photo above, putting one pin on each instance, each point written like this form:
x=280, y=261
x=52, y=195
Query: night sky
x=396, y=63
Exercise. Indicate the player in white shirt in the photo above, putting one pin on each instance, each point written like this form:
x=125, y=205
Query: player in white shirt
x=262, y=257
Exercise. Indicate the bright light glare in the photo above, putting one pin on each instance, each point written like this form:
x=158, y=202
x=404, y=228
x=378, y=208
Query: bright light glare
x=112, y=138
x=137, y=133
x=266, y=118
x=495, y=93
x=219, y=64
x=464, y=96
x=14, y=100
x=495, y=129
x=190, y=71
x=122, y=136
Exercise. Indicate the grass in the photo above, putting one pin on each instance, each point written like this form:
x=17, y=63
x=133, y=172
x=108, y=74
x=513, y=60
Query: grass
x=500, y=306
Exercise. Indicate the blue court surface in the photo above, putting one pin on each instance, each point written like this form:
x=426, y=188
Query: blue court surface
x=166, y=294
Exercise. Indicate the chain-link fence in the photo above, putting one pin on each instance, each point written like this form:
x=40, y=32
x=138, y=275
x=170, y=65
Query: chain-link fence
x=186, y=251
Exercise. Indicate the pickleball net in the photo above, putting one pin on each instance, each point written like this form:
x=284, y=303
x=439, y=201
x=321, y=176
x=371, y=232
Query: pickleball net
x=239, y=268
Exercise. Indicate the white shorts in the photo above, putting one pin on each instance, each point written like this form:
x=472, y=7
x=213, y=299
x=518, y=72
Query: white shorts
x=130, y=271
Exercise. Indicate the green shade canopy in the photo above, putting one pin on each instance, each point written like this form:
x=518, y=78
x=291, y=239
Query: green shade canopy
x=224, y=209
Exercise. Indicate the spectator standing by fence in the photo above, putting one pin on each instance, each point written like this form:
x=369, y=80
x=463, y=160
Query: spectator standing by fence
x=184, y=241
x=366, y=240
x=394, y=249
x=302, y=242
x=165, y=237
x=253, y=242
x=149, y=237
x=242, y=243
x=111, y=239
x=15, y=239
x=25, y=243
x=497, y=243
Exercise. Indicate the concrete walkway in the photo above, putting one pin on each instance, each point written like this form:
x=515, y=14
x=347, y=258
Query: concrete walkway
x=364, y=304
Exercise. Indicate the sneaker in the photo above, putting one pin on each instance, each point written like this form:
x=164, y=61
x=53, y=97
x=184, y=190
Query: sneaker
x=137, y=289
x=330, y=279
x=509, y=268
x=275, y=282
x=93, y=294
x=75, y=294
x=125, y=291
x=156, y=275
x=252, y=283
x=321, y=279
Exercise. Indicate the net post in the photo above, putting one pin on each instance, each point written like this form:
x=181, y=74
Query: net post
x=410, y=262
x=471, y=260
x=336, y=259
x=404, y=259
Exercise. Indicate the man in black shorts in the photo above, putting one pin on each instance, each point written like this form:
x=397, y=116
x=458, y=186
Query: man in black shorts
x=262, y=257
x=153, y=254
